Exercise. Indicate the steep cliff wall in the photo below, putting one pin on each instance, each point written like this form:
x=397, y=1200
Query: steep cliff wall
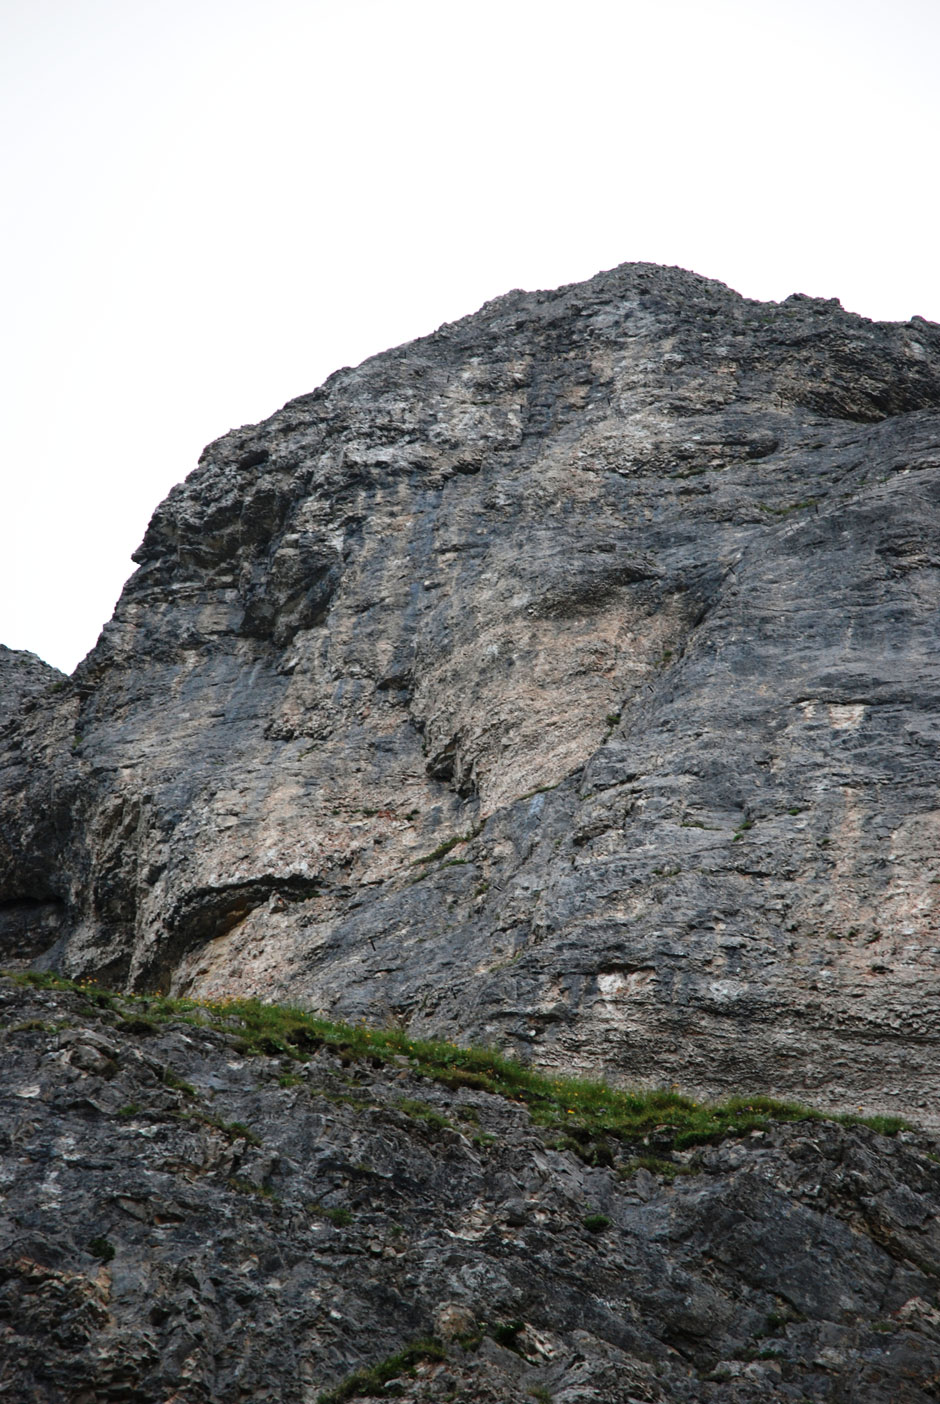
x=566, y=680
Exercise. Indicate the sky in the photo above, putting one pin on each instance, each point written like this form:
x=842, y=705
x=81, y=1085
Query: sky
x=212, y=204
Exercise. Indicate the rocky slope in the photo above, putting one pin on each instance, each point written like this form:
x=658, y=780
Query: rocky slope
x=566, y=680
x=183, y=1219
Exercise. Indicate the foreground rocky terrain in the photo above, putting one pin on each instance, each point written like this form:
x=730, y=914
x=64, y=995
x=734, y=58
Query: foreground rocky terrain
x=186, y=1218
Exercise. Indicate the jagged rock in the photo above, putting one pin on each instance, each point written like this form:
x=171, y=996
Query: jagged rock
x=181, y=1221
x=621, y=599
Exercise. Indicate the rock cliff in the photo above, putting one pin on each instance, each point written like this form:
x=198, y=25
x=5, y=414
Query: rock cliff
x=565, y=680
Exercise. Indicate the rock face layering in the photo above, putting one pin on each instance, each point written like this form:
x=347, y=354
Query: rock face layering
x=566, y=680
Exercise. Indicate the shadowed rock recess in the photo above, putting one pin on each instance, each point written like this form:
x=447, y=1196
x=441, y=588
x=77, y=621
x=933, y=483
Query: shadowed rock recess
x=565, y=681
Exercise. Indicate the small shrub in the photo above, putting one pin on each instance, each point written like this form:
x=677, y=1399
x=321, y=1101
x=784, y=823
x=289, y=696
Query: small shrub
x=420, y=1111
x=596, y=1223
x=248, y=1187
x=373, y=1379
x=668, y=1169
x=234, y=1130
x=340, y=1217
x=140, y=1028
x=176, y=1083
x=506, y=1333
x=102, y=1248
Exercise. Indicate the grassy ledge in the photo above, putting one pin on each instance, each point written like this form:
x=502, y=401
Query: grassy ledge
x=582, y=1111
x=444, y=848
x=373, y=1380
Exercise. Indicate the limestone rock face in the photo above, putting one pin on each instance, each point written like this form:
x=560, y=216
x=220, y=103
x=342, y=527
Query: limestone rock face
x=566, y=680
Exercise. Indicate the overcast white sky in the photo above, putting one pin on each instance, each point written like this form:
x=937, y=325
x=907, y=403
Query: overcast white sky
x=211, y=204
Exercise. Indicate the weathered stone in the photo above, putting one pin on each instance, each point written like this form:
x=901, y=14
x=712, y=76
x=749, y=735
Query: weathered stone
x=568, y=681
x=191, y=1224
x=628, y=592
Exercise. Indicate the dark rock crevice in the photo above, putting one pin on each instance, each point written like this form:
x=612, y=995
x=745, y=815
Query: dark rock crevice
x=29, y=926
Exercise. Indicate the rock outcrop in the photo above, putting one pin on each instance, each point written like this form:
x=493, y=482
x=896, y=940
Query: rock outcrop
x=183, y=1220
x=566, y=680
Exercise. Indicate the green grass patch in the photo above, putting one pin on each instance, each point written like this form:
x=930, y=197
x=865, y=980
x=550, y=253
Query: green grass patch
x=668, y=1169
x=177, y=1084
x=442, y=849
x=232, y=1130
x=542, y=789
x=372, y=1380
x=340, y=1217
x=588, y=1115
x=506, y=1334
x=420, y=1111
x=139, y=1028
x=248, y=1187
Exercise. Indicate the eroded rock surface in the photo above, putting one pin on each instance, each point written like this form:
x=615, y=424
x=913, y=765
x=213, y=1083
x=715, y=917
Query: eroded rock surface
x=628, y=593
x=181, y=1221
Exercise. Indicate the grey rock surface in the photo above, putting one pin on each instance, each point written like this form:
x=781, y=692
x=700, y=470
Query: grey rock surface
x=180, y=1221
x=622, y=601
